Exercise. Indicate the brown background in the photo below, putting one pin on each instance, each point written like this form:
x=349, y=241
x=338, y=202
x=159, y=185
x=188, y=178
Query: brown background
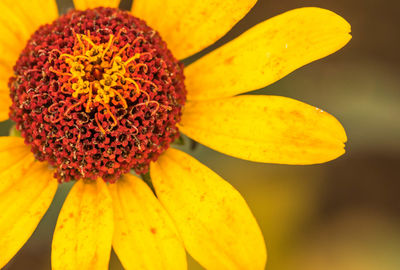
x=339, y=215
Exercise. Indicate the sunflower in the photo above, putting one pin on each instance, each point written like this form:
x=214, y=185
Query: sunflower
x=98, y=95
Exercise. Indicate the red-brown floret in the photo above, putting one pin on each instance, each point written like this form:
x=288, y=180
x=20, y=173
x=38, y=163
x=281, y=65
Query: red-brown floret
x=87, y=138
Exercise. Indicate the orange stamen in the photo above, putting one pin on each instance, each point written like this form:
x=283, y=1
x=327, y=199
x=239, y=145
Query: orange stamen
x=71, y=107
x=147, y=81
x=96, y=118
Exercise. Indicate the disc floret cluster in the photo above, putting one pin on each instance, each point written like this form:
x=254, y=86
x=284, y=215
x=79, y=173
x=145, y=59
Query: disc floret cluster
x=96, y=94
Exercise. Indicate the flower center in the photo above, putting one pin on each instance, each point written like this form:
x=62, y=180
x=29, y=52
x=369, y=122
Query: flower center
x=96, y=94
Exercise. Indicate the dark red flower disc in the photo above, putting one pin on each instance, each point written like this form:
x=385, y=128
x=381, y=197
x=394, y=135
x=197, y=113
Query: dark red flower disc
x=96, y=94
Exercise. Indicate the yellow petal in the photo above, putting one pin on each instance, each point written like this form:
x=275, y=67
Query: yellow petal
x=269, y=129
x=266, y=53
x=5, y=103
x=189, y=26
x=27, y=188
x=215, y=223
x=12, y=150
x=144, y=236
x=85, y=4
x=18, y=20
x=83, y=234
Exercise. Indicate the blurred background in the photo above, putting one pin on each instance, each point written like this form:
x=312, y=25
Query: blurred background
x=340, y=215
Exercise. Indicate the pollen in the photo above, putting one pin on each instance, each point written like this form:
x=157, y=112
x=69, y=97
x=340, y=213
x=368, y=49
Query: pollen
x=97, y=93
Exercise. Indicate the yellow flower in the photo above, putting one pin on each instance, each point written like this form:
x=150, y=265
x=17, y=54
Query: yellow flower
x=195, y=209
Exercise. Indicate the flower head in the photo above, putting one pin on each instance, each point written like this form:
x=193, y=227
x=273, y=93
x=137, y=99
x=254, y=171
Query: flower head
x=99, y=93
x=103, y=100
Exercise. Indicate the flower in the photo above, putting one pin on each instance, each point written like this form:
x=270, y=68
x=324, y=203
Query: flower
x=98, y=82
